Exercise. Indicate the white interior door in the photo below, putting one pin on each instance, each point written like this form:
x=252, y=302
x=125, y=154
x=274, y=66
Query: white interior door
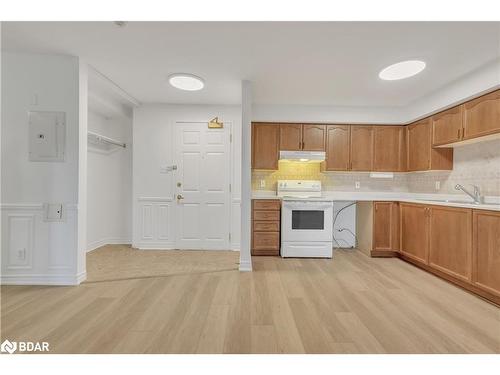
x=202, y=192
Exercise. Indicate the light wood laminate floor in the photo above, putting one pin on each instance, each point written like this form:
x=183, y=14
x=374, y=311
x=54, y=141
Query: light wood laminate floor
x=349, y=304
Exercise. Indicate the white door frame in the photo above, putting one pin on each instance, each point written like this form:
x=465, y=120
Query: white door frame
x=229, y=126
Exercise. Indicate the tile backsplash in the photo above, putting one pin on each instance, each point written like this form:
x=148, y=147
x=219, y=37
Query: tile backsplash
x=477, y=164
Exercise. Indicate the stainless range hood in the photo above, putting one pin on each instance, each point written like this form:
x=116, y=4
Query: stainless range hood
x=304, y=156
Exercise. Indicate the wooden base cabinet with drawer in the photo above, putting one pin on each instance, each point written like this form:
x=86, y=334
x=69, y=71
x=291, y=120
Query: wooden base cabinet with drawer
x=266, y=215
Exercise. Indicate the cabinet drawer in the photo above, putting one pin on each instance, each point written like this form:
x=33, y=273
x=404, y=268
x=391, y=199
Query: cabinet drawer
x=261, y=204
x=266, y=215
x=266, y=226
x=266, y=241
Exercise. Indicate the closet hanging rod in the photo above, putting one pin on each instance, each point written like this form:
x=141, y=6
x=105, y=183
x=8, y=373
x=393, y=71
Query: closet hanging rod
x=102, y=138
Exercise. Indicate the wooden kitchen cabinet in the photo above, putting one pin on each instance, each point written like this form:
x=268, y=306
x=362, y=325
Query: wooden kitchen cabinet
x=266, y=221
x=486, y=251
x=313, y=137
x=337, y=148
x=290, y=137
x=265, y=142
x=482, y=116
x=414, y=226
x=389, y=149
x=385, y=228
x=447, y=126
x=421, y=156
x=450, y=245
x=361, y=148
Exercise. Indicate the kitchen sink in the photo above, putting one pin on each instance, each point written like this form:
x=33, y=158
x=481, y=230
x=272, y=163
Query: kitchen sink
x=457, y=201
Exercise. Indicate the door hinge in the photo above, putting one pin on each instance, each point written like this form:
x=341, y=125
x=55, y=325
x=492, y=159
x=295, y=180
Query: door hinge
x=229, y=187
x=230, y=137
x=229, y=237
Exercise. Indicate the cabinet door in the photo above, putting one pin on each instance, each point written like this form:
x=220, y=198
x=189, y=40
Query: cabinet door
x=419, y=146
x=361, y=150
x=415, y=231
x=382, y=226
x=486, y=251
x=450, y=249
x=337, y=148
x=388, y=148
x=313, y=137
x=265, y=139
x=482, y=116
x=290, y=137
x=447, y=126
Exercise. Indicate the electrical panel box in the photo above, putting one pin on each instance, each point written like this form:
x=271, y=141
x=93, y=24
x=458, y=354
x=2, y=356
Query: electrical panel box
x=47, y=136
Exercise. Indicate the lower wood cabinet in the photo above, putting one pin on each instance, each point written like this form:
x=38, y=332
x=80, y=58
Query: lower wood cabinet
x=450, y=246
x=266, y=226
x=486, y=251
x=414, y=225
x=385, y=228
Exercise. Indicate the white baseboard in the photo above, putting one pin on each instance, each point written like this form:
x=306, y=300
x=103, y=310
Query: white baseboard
x=108, y=241
x=246, y=266
x=43, y=279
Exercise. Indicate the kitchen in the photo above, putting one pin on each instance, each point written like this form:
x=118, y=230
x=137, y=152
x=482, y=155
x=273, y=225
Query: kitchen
x=449, y=235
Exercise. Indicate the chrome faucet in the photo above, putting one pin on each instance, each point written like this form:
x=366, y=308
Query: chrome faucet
x=476, y=195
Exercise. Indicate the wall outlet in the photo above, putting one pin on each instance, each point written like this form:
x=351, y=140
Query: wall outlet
x=437, y=185
x=357, y=184
x=262, y=183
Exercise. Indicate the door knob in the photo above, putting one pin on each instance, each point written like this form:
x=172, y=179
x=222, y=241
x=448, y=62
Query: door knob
x=179, y=197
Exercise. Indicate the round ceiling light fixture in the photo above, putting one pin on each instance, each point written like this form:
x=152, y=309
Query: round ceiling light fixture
x=402, y=70
x=186, y=81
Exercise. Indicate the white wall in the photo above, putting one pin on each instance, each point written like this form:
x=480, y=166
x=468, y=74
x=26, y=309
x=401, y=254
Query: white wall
x=44, y=83
x=109, y=184
x=153, y=148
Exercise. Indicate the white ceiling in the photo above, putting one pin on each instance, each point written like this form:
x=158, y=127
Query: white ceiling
x=320, y=63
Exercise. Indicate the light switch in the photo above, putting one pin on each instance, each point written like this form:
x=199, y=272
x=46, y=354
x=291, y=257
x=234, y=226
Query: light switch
x=438, y=185
x=54, y=212
x=262, y=183
x=357, y=184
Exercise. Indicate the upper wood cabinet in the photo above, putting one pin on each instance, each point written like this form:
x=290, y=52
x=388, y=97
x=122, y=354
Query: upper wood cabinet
x=265, y=142
x=450, y=245
x=482, y=116
x=361, y=148
x=313, y=137
x=486, y=251
x=421, y=156
x=414, y=227
x=385, y=226
x=290, y=137
x=389, y=149
x=337, y=148
x=307, y=137
x=447, y=126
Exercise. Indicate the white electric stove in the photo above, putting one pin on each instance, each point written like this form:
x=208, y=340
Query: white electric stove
x=306, y=220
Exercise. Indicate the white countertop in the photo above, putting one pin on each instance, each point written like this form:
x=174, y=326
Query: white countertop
x=420, y=198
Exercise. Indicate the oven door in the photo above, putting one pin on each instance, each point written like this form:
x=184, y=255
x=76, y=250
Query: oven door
x=306, y=221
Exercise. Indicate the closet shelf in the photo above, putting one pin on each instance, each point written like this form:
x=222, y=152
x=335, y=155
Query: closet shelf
x=102, y=143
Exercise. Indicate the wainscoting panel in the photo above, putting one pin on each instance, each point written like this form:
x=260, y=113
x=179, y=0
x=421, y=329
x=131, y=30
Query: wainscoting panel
x=155, y=223
x=37, y=252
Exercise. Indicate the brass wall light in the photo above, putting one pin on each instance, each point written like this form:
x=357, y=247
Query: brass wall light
x=215, y=124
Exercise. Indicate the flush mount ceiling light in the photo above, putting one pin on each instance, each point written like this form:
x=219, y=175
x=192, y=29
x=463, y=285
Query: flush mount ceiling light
x=401, y=70
x=185, y=81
